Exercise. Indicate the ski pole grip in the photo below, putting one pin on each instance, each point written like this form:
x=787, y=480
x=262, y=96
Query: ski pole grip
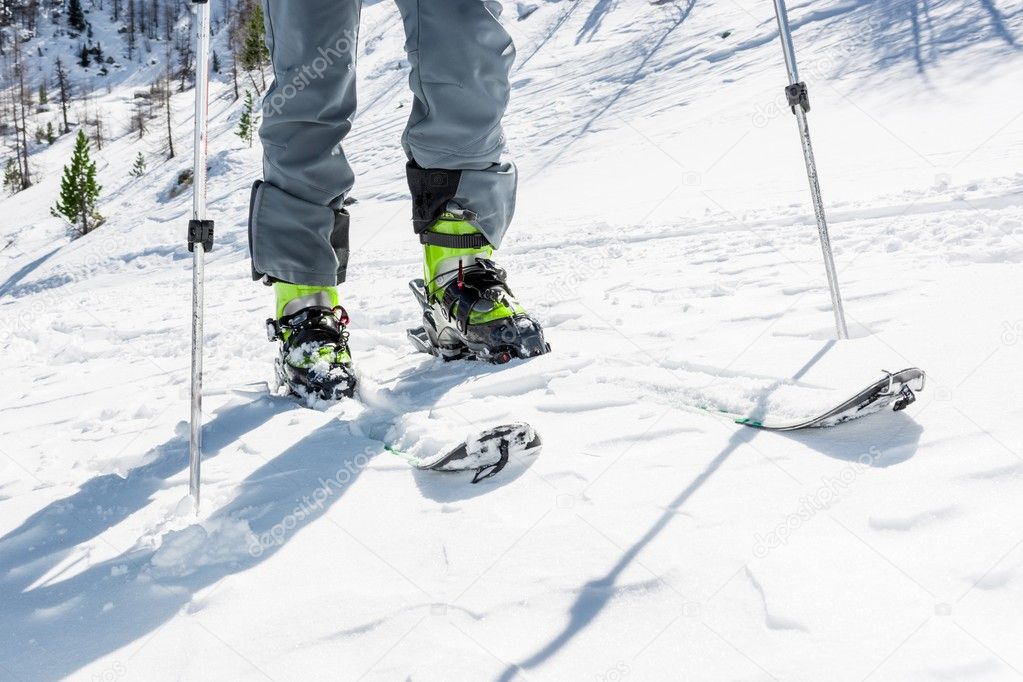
x=200, y=232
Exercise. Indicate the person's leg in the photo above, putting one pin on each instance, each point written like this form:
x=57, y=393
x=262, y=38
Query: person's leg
x=463, y=192
x=461, y=58
x=298, y=230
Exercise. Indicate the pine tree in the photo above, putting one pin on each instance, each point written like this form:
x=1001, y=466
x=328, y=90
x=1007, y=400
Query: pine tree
x=12, y=175
x=131, y=29
x=75, y=15
x=254, y=53
x=154, y=19
x=51, y=137
x=79, y=190
x=43, y=97
x=249, y=120
x=139, y=169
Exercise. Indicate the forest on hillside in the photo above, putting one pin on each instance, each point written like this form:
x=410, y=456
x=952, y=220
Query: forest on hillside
x=60, y=60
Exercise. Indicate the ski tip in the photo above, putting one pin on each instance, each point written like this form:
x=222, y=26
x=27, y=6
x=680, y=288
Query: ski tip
x=489, y=452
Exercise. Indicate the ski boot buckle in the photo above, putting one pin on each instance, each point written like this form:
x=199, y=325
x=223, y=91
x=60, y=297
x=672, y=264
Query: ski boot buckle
x=273, y=329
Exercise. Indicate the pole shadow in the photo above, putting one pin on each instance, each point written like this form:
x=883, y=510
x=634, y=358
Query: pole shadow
x=595, y=594
x=52, y=629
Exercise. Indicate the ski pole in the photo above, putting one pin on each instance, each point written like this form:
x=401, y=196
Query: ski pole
x=798, y=98
x=200, y=238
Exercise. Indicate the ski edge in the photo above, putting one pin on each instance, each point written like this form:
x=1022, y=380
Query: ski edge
x=896, y=389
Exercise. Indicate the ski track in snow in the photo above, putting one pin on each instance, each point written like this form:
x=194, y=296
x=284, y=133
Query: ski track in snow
x=665, y=238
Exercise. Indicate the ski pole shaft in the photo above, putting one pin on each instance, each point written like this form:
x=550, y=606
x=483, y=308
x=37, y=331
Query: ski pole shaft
x=782, y=15
x=798, y=99
x=200, y=240
x=195, y=431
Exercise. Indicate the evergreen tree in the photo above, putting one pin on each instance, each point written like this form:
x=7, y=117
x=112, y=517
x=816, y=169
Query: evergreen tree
x=131, y=29
x=51, y=137
x=139, y=169
x=249, y=120
x=12, y=175
x=75, y=15
x=43, y=97
x=79, y=190
x=254, y=51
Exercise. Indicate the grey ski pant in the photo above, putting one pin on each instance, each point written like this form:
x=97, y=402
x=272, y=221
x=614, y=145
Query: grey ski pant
x=460, y=57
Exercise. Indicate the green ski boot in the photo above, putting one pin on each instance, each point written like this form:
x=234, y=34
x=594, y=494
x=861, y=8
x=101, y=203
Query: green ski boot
x=468, y=310
x=312, y=328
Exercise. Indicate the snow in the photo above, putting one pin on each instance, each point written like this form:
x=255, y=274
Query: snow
x=665, y=237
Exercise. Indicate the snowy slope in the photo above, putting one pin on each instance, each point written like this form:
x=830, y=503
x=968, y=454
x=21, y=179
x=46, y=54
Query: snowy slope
x=665, y=238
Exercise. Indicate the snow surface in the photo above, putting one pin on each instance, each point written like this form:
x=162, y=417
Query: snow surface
x=665, y=238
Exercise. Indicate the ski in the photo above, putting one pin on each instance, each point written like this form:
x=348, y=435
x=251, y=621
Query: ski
x=485, y=455
x=896, y=389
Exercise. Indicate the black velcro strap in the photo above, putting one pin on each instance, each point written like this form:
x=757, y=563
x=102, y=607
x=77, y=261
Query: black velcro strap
x=432, y=189
x=454, y=241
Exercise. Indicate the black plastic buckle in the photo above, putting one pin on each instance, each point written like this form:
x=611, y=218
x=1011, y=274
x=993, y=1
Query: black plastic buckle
x=798, y=95
x=200, y=232
x=273, y=330
x=906, y=398
x=490, y=267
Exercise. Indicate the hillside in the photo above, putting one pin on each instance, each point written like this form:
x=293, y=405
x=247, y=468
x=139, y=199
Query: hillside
x=665, y=238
